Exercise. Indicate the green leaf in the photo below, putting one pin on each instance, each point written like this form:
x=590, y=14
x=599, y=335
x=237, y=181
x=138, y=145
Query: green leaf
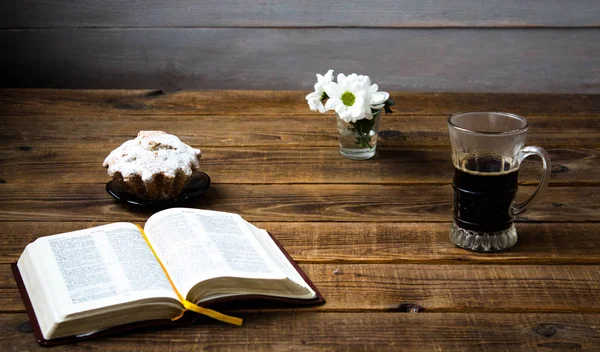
x=387, y=105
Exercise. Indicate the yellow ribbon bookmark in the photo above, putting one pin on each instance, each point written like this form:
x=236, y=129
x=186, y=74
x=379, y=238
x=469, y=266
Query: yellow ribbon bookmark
x=187, y=304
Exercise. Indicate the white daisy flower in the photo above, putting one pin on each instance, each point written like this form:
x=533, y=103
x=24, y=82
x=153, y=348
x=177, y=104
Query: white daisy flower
x=374, y=100
x=378, y=99
x=347, y=97
x=315, y=99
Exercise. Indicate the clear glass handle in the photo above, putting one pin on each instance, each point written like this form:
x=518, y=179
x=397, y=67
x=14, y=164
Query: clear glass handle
x=517, y=209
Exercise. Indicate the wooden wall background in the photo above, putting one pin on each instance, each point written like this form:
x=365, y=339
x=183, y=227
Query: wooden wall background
x=404, y=45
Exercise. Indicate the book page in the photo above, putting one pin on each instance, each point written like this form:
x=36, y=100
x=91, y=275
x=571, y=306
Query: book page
x=196, y=245
x=279, y=258
x=99, y=267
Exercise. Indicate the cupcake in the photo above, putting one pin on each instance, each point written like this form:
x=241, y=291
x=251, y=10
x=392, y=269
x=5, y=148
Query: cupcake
x=154, y=166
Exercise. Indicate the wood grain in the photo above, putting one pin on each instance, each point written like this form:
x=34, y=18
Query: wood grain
x=58, y=162
x=456, y=59
x=288, y=13
x=434, y=288
x=92, y=118
x=381, y=242
x=115, y=105
x=319, y=242
x=290, y=331
x=355, y=242
x=397, y=131
x=297, y=202
x=372, y=235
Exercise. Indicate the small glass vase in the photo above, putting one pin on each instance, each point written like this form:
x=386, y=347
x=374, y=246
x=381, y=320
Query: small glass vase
x=358, y=140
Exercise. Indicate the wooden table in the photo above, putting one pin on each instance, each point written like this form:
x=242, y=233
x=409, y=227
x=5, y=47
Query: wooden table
x=372, y=235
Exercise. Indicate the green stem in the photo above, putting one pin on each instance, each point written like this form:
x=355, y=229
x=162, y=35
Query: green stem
x=363, y=129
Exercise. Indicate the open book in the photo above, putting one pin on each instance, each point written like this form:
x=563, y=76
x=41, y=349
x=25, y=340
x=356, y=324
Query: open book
x=80, y=283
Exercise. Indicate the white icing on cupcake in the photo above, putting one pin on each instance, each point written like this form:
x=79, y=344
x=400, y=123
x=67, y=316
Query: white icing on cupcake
x=151, y=153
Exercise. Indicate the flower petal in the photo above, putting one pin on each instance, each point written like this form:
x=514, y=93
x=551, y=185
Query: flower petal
x=356, y=113
x=345, y=115
x=321, y=108
x=341, y=108
x=360, y=94
x=333, y=90
x=314, y=104
x=332, y=103
x=341, y=79
x=329, y=75
x=367, y=81
x=312, y=95
x=379, y=97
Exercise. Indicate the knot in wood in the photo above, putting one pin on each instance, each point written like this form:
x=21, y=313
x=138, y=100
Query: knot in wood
x=558, y=169
x=545, y=330
x=155, y=93
x=410, y=308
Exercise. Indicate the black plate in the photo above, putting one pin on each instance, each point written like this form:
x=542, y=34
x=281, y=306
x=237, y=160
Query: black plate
x=195, y=188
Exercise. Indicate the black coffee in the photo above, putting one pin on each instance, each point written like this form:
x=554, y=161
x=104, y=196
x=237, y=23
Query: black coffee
x=482, y=198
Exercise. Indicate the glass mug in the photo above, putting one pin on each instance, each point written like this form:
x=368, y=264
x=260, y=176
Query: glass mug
x=487, y=150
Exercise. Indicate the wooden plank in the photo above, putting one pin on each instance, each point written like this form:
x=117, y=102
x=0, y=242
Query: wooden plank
x=381, y=242
x=434, y=288
x=459, y=288
x=292, y=330
x=353, y=242
x=266, y=131
x=397, y=131
x=288, y=13
x=58, y=162
x=467, y=60
x=296, y=202
x=116, y=105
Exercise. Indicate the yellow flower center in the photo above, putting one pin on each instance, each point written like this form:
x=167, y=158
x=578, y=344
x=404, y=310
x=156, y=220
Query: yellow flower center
x=348, y=98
